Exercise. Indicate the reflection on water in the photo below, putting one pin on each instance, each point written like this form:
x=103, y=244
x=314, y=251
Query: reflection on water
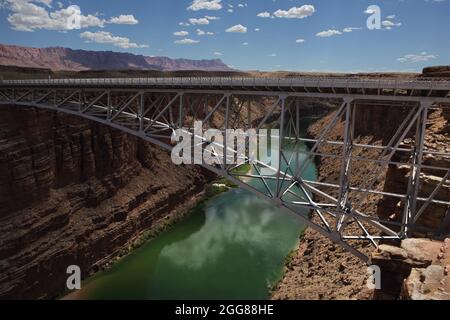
x=231, y=248
x=223, y=228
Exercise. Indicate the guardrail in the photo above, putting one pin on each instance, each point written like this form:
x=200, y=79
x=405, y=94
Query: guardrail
x=308, y=82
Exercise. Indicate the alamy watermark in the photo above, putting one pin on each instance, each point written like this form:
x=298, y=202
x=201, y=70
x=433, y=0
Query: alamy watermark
x=374, y=280
x=374, y=20
x=73, y=282
x=232, y=146
x=73, y=21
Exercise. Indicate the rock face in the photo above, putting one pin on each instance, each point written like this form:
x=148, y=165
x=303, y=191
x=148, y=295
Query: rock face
x=321, y=270
x=437, y=72
x=78, y=60
x=75, y=192
x=417, y=270
x=397, y=177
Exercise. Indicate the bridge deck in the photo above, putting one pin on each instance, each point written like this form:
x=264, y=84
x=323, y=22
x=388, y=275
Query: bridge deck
x=416, y=88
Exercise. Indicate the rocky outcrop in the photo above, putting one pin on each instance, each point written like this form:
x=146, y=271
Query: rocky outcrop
x=417, y=270
x=437, y=72
x=397, y=177
x=59, y=58
x=76, y=192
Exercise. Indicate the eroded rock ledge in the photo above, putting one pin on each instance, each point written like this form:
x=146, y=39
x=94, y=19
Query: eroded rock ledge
x=417, y=270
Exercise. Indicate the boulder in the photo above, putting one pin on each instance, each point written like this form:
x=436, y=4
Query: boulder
x=431, y=283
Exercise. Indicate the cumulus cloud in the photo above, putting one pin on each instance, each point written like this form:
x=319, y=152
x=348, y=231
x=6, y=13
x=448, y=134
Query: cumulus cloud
x=264, y=14
x=124, y=19
x=414, y=58
x=388, y=24
x=195, y=21
x=239, y=28
x=328, y=33
x=296, y=12
x=186, y=41
x=197, y=5
x=181, y=33
x=200, y=32
x=108, y=38
x=199, y=21
x=30, y=15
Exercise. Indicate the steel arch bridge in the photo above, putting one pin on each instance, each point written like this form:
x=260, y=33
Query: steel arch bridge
x=153, y=108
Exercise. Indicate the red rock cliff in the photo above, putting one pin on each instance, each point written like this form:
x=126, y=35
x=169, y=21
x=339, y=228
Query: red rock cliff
x=75, y=192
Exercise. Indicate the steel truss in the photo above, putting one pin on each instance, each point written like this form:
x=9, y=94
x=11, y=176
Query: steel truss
x=329, y=207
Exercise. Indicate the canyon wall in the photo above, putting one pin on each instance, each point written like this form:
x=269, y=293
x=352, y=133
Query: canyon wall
x=320, y=269
x=73, y=192
x=397, y=177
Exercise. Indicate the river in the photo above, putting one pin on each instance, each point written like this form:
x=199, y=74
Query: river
x=233, y=246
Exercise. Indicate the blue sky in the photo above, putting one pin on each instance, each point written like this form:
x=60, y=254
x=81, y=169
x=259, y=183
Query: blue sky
x=303, y=35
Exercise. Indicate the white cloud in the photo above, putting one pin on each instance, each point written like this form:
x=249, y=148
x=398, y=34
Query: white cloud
x=414, y=58
x=186, y=41
x=245, y=44
x=257, y=29
x=124, y=19
x=197, y=5
x=390, y=24
x=350, y=29
x=195, y=21
x=263, y=15
x=300, y=40
x=296, y=12
x=239, y=28
x=328, y=33
x=108, y=38
x=28, y=16
x=180, y=33
x=217, y=53
x=204, y=33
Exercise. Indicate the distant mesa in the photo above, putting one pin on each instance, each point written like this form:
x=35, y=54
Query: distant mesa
x=437, y=72
x=65, y=59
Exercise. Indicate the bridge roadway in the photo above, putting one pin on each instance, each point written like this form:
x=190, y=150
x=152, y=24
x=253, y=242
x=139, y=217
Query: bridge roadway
x=315, y=86
x=153, y=108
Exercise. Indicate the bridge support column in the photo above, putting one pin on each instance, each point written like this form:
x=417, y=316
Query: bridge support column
x=108, y=105
x=141, y=111
x=345, y=173
x=226, y=126
x=282, y=101
x=416, y=168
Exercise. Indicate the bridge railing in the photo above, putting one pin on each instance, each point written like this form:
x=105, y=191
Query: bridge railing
x=307, y=82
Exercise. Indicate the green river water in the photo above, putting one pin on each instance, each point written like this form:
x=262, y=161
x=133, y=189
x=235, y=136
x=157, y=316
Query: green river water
x=233, y=246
